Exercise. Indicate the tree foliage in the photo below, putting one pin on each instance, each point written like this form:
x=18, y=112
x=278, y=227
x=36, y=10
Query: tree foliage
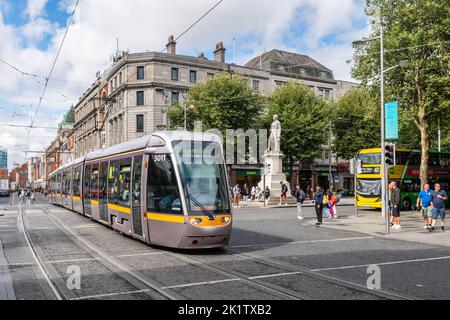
x=221, y=102
x=356, y=123
x=417, y=31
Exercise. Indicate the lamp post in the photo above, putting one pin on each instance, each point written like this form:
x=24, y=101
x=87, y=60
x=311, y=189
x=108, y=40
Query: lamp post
x=384, y=199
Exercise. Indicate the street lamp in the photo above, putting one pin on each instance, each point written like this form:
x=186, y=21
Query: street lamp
x=384, y=202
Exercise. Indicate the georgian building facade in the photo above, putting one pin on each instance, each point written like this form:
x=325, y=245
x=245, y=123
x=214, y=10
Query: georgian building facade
x=132, y=97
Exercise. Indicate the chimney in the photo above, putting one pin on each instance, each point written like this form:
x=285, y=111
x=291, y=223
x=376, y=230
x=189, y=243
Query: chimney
x=202, y=56
x=219, y=53
x=171, y=46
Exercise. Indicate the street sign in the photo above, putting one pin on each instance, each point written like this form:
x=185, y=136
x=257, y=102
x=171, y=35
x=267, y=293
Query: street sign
x=391, y=116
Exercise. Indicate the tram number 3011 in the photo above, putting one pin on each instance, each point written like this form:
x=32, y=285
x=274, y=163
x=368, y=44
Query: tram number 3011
x=159, y=157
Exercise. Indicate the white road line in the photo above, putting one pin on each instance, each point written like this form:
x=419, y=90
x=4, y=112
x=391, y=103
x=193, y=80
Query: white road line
x=275, y=275
x=201, y=283
x=300, y=242
x=87, y=226
x=382, y=263
x=110, y=294
x=72, y=260
x=139, y=254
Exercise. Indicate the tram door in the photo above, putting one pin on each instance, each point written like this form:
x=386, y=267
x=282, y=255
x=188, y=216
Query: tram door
x=102, y=192
x=87, y=190
x=136, y=196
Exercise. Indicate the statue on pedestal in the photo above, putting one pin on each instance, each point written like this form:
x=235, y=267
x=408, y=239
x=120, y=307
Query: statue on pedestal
x=275, y=135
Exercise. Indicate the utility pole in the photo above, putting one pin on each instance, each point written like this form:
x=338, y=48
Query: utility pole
x=439, y=135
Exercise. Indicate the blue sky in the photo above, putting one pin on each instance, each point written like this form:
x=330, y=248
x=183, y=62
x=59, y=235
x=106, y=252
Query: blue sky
x=31, y=31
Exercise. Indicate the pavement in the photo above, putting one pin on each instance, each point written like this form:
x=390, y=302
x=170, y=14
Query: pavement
x=372, y=223
x=348, y=201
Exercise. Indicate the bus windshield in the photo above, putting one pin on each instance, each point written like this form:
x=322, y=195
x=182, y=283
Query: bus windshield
x=370, y=158
x=203, y=176
x=368, y=187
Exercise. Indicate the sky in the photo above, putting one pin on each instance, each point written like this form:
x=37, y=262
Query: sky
x=31, y=32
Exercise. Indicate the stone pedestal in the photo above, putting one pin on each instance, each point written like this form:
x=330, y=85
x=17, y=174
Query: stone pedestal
x=273, y=171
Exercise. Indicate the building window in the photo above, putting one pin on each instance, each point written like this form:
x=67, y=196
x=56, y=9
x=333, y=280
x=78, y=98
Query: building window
x=324, y=93
x=140, y=98
x=140, y=123
x=175, y=97
x=120, y=78
x=140, y=73
x=279, y=83
x=255, y=85
x=174, y=74
x=210, y=75
x=115, y=82
x=193, y=76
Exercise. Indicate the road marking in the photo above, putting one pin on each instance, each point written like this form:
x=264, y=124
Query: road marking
x=300, y=242
x=200, y=283
x=382, y=263
x=87, y=226
x=139, y=254
x=275, y=275
x=72, y=260
x=110, y=294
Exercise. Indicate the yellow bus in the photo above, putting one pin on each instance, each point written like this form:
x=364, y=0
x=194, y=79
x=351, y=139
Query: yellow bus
x=406, y=173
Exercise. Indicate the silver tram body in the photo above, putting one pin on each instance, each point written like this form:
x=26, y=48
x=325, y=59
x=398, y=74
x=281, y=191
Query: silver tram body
x=169, y=189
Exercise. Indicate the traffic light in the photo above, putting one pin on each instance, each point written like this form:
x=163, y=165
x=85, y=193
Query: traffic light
x=389, y=154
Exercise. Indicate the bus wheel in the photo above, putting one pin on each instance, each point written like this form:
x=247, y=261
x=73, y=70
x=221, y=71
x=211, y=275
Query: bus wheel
x=407, y=203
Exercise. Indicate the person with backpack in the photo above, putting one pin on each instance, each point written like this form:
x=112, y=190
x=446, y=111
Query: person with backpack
x=284, y=190
x=318, y=204
x=300, y=196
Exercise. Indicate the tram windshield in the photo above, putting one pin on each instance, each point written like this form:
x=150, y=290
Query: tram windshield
x=203, y=176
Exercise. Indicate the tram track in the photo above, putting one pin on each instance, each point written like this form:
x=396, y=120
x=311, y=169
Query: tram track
x=256, y=282
x=143, y=284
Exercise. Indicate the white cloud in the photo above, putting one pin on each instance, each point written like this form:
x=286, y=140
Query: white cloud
x=142, y=25
x=35, y=8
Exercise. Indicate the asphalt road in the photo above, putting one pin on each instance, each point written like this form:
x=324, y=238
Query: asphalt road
x=271, y=256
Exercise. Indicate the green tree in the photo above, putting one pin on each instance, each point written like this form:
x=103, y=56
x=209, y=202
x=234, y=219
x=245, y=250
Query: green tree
x=417, y=31
x=304, y=119
x=356, y=123
x=221, y=102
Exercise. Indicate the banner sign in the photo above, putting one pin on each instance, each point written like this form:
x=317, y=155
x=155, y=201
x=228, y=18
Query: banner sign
x=391, y=118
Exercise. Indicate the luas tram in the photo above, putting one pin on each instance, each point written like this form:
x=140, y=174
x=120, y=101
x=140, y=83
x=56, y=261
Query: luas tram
x=169, y=189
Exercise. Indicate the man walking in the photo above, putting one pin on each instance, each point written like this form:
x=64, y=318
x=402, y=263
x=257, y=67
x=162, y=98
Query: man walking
x=318, y=205
x=395, y=200
x=424, y=200
x=236, y=195
x=300, y=196
x=283, y=193
x=438, y=198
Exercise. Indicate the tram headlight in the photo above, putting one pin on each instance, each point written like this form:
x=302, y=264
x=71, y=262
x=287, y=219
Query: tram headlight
x=225, y=219
x=195, y=221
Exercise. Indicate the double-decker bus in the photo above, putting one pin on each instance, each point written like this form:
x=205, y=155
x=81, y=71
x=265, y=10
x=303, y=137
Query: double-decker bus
x=406, y=173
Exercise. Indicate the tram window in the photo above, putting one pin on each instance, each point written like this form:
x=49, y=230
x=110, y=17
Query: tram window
x=66, y=183
x=76, y=181
x=162, y=190
x=119, y=182
x=137, y=167
x=94, y=181
x=86, y=184
x=103, y=179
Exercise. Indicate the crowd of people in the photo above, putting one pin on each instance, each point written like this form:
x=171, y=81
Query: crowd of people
x=243, y=195
x=26, y=196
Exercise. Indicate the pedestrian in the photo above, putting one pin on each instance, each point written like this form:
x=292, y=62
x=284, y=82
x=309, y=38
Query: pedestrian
x=236, y=195
x=438, y=198
x=335, y=200
x=284, y=190
x=33, y=196
x=395, y=200
x=424, y=201
x=27, y=197
x=245, y=193
x=267, y=192
x=253, y=194
x=45, y=192
x=325, y=207
x=391, y=217
x=318, y=204
x=300, y=196
x=309, y=192
x=331, y=204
